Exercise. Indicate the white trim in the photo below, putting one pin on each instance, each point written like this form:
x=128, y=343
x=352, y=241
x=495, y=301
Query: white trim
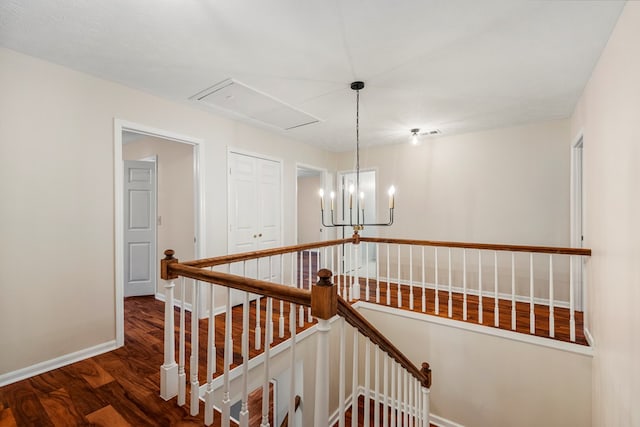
x=482, y=329
x=442, y=422
x=58, y=362
x=589, y=337
x=119, y=126
x=577, y=213
x=335, y=416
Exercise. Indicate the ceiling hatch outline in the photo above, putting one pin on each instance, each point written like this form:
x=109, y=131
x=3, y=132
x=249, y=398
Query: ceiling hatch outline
x=241, y=99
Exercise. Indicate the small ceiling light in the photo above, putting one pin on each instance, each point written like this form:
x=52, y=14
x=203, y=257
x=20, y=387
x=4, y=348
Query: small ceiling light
x=414, y=136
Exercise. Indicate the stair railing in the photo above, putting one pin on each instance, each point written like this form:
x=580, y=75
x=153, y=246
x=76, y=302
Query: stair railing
x=323, y=303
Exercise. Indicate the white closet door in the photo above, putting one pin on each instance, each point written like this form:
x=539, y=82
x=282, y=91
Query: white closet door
x=255, y=214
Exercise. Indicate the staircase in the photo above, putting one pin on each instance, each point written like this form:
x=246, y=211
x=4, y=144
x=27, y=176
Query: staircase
x=305, y=328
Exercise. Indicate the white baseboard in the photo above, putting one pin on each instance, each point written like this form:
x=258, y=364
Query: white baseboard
x=589, y=337
x=58, y=362
x=442, y=422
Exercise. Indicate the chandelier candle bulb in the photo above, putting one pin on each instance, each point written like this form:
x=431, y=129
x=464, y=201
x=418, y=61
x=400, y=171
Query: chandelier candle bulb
x=351, y=196
x=321, y=193
x=392, y=191
x=362, y=200
x=333, y=196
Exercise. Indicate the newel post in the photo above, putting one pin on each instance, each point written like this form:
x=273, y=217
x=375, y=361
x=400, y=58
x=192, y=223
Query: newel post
x=169, y=369
x=324, y=305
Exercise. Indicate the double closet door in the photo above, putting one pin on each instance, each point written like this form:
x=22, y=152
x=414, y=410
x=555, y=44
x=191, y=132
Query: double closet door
x=255, y=214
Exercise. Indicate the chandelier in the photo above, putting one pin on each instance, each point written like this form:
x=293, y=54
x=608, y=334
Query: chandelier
x=359, y=222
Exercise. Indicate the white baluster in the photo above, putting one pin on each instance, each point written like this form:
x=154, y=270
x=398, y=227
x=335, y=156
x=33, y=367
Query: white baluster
x=393, y=394
x=342, y=386
x=195, y=345
x=270, y=323
x=513, y=291
x=572, y=314
x=532, y=306
x=552, y=326
x=354, y=381
x=211, y=359
x=376, y=408
x=337, y=283
x=398, y=281
x=367, y=381
x=411, y=401
x=321, y=409
x=424, y=292
x=377, y=273
x=450, y=302
x=400, y=403
x=258, y=328
x=437, y=298
x=388, y=274
x=226, y=400
x=411, y=277
x=480, y=310
x=244, y=409
x=292, y=384
x=385, y=391
x=496, y=309
x=407, y=398
x=182, y=376
x=310, y=283
x=464, y=284
x=281, y=316
x=169, y=369
x=356, y=267
x=267, y=359
x=366, y=246
x=349, y=269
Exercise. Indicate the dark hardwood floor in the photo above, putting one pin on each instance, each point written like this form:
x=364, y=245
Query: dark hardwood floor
x=348, y=413
x=561, y=315
x=119, y=388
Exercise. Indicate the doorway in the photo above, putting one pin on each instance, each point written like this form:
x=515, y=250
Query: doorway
x=309, y=181
x=175, y=214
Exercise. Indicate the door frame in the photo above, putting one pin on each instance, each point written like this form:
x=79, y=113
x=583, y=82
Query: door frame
x=577, y=216
x=324, y=178
x=120, y=126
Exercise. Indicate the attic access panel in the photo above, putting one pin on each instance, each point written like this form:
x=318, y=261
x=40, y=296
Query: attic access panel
x=238, y=98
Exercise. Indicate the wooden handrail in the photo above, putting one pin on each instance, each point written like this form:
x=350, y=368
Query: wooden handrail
x=357, y=320
x=228, y=259
x=483, y=246
x=285, y=422
x=282, y=292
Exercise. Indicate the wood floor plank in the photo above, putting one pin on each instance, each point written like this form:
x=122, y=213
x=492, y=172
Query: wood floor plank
x=6, y=418
x=93, y=373
x=61, y=410
x=107, y=417
x=25, y=405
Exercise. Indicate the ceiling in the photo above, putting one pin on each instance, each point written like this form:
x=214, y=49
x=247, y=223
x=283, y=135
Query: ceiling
x=453, y=65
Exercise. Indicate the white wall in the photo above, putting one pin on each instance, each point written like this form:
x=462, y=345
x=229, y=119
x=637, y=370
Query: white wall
x=608, y=115
x=57, y=216
x=482, y=380
x=497, y=186
x=309, y=209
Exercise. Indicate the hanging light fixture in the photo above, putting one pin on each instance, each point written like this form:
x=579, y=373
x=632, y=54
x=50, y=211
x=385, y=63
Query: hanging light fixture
x=360, y=222
x=414, y=136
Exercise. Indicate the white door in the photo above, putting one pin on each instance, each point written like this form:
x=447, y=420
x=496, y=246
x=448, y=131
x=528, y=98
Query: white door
x=254, y=214
x=139, y=228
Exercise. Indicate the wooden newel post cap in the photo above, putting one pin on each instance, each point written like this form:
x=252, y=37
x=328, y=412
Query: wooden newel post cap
x=324, y=296
x=168, y=254
x=324, y=277
x=164, y=265
x=426, y=372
